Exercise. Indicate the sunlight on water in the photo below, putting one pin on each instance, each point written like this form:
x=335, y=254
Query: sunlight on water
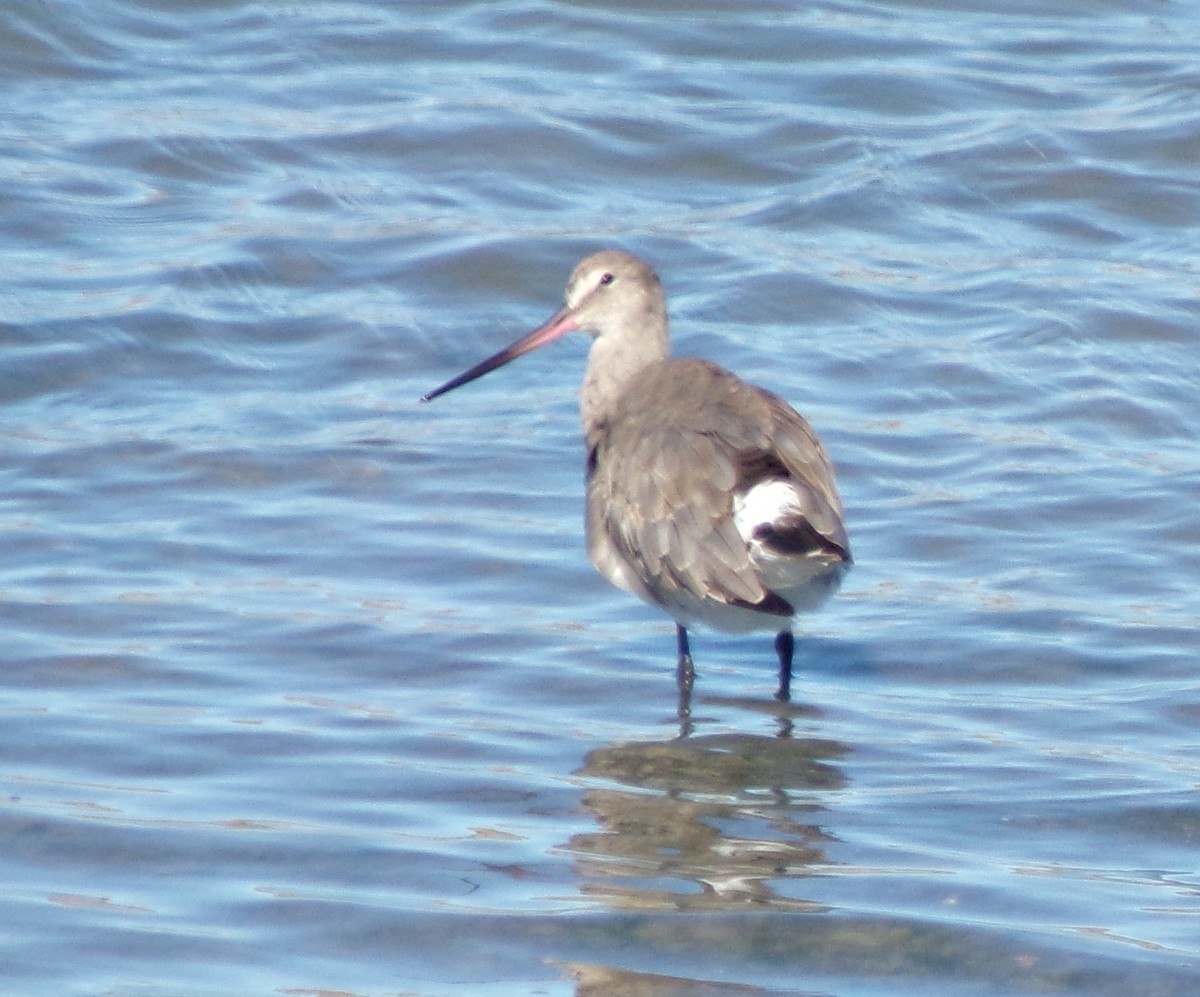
x=311, y=689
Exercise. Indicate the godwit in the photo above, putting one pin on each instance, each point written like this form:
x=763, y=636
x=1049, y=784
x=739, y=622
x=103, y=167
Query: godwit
x=706, y=496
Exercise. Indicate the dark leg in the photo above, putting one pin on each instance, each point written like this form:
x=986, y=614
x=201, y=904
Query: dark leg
x=785, y=644
x=685, y=672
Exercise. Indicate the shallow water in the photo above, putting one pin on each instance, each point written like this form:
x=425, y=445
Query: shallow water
x=310, y=688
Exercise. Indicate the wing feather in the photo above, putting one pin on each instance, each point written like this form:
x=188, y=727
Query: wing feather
x=664, y=475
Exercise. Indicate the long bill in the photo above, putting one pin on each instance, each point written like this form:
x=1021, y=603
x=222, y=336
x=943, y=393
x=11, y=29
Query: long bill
x=557, y=325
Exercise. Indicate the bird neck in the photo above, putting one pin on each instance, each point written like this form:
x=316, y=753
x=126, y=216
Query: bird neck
x=613, y=362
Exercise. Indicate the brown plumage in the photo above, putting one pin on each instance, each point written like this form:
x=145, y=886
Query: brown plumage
x=706, y=496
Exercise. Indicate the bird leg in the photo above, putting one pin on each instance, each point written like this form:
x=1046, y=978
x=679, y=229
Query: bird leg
x=685, y=672
x=785, y=645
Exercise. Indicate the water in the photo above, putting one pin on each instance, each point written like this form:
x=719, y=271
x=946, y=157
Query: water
x=309, y=688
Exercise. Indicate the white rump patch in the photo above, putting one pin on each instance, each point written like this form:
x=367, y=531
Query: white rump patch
x=804, y=580
x=765, y=504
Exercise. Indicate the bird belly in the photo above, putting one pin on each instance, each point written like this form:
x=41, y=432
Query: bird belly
x=686, y=607
x=803, y=589
x=803, y=593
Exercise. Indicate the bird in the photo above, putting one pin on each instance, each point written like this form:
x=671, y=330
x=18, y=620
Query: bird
x=707, y=497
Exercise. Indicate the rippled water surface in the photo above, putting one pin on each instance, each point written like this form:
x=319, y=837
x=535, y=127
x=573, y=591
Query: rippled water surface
x=310, y=689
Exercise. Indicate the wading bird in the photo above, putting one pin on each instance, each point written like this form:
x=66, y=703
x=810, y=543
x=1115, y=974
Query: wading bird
x=706, y=496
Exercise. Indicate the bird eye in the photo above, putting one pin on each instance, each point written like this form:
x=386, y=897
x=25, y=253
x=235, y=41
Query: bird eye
x=607, y=279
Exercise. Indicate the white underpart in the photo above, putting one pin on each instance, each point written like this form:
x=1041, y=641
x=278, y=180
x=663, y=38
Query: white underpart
x=765, y=504
x=803, y=580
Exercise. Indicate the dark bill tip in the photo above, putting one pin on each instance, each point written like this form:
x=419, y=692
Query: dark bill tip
x=560, y=324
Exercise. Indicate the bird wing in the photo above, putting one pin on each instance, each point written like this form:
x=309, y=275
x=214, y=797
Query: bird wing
x=664, y=471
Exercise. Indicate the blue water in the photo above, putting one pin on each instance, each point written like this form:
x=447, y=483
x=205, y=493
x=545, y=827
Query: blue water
x=310, y=689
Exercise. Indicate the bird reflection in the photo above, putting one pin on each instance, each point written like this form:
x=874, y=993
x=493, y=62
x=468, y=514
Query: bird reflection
x=593, y=980
x=707, y=823
x=785, y=713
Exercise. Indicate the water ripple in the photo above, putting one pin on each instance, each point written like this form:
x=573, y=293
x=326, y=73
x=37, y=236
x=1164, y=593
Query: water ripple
x=310, y=688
